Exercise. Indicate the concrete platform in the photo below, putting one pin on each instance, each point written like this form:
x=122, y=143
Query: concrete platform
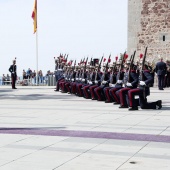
x=45, y=130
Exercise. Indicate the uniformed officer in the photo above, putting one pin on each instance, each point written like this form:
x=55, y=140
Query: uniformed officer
x=13, y=71
x=161, y=71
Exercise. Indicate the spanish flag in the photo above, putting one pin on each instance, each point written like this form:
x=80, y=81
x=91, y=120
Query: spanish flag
x=34, y=16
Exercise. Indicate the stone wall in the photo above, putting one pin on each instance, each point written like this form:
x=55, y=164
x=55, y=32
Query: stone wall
x=149, y=25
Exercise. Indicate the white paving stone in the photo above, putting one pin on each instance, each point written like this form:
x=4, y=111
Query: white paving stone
x=40, y=108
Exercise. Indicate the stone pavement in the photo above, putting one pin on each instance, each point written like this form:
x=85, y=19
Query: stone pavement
x=45, y=130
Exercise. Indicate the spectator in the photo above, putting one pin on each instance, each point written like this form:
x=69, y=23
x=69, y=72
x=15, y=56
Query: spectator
x=24, y=76
x=29, y=72
x=40, y=76
x=3, y=79
x=34, y=76
x=8, y=79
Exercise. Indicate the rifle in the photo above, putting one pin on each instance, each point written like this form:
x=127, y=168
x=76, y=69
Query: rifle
x=85, y=64
x=98, y=67
x=91, y=61
x=100, y=62
x=131, y=63
x=74, y=64
x=66, y=57
x=106, y=67
x=121, y=65
x=141, y=71
x=142, y=66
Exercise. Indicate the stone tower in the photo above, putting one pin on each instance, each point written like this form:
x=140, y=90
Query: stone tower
x=149, y=25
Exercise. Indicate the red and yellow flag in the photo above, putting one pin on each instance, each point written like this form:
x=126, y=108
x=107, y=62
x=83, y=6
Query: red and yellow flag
x=34, y=16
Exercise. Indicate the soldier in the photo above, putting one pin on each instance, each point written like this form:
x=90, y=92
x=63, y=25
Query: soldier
x=119, y=83
x=98, y=75
x=167, y=78
x=143, y=91
x=59, y=72
x=132, y=83
x=13, y=71
x=82, y=80
x=161, y=71
x=104, y=83
x=90, y=82
x=112, y=81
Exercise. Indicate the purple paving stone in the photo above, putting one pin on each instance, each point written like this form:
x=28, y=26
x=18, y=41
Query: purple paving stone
x=87, y=134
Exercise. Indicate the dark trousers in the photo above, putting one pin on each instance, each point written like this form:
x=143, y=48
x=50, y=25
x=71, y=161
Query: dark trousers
x=58, y=82
x=112, y=92
x=99, y=93
x=122, y=95
x=85, y=91
x=160, y=81
x=13, y=78
x=92, y=91
x=167, y=80
x=142, y=101
x=107, y=94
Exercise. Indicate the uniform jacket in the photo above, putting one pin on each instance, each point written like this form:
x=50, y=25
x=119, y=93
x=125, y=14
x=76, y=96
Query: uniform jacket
x=13, y=69
x=160, y=68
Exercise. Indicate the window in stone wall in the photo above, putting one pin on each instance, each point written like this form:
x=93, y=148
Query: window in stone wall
x=163, y=37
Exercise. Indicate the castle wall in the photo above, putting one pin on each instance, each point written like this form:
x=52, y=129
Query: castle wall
x=149, y=25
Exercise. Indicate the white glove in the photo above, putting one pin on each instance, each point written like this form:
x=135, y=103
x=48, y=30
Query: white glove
x=104, y=82
x=119, y=81
x=83, y=80
x=96, y=81
x=72, y=79
x=111, y=85
x=80, y=79
x=142, y=83
x=90, y=82
x=76, y=78
x=129, y=84
x=66, y=78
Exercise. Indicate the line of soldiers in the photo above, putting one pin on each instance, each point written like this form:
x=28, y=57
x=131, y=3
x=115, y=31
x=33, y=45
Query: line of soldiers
x=123, y=82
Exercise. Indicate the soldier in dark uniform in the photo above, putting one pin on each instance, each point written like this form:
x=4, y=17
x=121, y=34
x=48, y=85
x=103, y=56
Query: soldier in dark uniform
x=167, y=76
x=131, y=84
x=111, y=83
x=90, y=82
x=13, y=70
x=161, y=71
x=97, y=82
x=104, y=83
x=59, y=72
x=118, y=85
x=143, y=91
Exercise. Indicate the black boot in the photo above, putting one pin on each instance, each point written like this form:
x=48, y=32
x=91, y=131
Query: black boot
x=159, y=104
x=123, y=106
x=133, y=108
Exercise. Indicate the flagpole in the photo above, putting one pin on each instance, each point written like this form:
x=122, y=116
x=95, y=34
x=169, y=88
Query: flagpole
x=37, y=56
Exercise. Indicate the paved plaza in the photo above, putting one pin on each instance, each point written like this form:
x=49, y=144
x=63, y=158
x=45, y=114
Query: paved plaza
x=45, y=130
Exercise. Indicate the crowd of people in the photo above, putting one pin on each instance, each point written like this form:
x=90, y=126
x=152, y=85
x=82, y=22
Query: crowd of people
x=29, y=77
x=118, y=82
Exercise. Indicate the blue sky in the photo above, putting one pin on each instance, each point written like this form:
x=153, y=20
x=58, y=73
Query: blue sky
x=77, y=27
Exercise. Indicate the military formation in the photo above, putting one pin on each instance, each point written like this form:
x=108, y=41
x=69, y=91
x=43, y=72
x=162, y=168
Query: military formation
x=125, y=82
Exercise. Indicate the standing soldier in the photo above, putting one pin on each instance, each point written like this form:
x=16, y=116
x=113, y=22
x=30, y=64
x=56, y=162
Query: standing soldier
x=161, y=71
x=13, y=70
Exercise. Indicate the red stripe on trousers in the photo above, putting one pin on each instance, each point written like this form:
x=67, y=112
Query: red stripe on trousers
x=131, y=96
